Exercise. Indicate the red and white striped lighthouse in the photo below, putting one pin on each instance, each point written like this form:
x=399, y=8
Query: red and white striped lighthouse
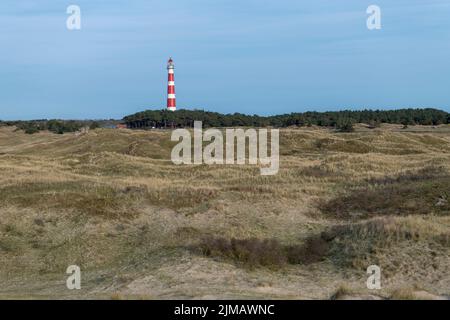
x=171, y=102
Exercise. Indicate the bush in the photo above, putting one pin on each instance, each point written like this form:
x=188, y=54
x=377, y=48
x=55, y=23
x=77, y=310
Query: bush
x=314, y=250
x=60, y=127
x=94, y=125
x=344, y=125
x=270, y=253
x=31, y=130
x=248, y=252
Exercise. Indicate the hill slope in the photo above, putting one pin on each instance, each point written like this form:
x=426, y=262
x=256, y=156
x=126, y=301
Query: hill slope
x=112, y=202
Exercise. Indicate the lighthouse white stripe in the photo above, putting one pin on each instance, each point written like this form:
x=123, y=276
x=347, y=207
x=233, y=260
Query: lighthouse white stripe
x=171, y=83
x=170, y=70
x=171, y=96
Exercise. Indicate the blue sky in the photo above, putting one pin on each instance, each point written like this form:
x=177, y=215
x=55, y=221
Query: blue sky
x=249, y=56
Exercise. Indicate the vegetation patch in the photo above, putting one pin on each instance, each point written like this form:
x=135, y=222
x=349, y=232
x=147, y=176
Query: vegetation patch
x=320, y=172
x=392, y=243
x=342, y=120
x=181, y=197
x=86, y=198
x=253, y=252
x=425, y=192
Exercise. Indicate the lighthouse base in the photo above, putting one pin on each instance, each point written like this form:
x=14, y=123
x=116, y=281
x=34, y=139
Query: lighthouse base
x=172, y=108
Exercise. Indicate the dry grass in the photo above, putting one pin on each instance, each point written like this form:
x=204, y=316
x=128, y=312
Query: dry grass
x=112, y=202
x=414, y=246
x=424, y=192
x=341, y=292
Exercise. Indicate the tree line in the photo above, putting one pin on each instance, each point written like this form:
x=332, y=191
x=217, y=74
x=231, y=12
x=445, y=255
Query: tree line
x=55, y=126
x=342, y=120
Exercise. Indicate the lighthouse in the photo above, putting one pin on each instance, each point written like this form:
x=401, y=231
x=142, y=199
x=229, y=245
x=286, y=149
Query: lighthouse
x=171, y=102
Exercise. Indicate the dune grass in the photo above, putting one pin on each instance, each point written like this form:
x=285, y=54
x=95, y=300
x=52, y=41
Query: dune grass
x=112, y=201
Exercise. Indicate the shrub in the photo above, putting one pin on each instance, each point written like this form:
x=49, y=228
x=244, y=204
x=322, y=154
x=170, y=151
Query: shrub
x=251, y=252
x=270, y=253
x=60, y=127
x=31, y=130
x=314, y=250
x=94, y=125
x=345, y=125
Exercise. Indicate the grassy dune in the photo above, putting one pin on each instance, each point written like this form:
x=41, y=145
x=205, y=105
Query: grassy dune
x=112, y=202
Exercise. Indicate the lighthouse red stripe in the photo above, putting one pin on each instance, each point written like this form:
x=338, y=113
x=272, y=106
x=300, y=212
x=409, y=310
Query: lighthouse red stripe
x=171, y=103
